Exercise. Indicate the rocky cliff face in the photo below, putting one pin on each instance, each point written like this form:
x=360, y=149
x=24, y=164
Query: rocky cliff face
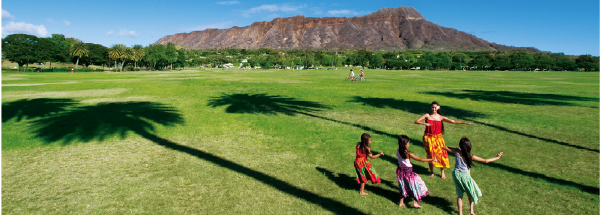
x=386, y=29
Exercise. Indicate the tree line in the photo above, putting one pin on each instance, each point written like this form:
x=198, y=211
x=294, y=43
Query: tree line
x=28, y=49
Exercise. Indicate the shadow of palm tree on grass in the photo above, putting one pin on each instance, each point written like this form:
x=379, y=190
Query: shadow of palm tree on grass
x=264, y=104
x=104, y=120
x=510, y=97
x=34, y=108
x=536, y=137
x=415, y=107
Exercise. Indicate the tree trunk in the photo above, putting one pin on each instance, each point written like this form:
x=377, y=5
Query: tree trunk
x=77, y=63
x=122, y=65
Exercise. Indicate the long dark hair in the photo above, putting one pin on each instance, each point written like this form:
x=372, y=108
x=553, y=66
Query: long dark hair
x=403, y=140
x=466, y=147
x=439, y=113
x=364, y=143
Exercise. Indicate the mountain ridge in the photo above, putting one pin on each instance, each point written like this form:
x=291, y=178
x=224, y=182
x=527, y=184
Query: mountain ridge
x=386, y=29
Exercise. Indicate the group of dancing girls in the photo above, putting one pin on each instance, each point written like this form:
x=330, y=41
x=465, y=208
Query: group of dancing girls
x=410, y=184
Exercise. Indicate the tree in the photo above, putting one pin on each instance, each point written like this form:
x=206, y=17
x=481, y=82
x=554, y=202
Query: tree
x=461, y=59
x=156, y=56
x=171, y=53
x=117, y=52
x=480, y=61
x=61, y=48
x=138, y=54
x=563, y=62
x=501, y=62
x=97, y=55
x=443, y=60
x=20, y=48
x=78, y=49
x=128, y=54
x=521, y=60
x=542, y=60
x=588, y=62
x=44, y=50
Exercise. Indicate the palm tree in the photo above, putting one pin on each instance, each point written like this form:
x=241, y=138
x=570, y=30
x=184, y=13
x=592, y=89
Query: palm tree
x=138, y=54
x=128, y=54
x=117, y=52
x=78, y=49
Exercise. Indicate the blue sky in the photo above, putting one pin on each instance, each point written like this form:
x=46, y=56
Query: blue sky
x=571, y=27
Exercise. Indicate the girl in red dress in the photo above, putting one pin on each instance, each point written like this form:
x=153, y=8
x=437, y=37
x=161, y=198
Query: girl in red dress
x=433, y=141
x=363, y=168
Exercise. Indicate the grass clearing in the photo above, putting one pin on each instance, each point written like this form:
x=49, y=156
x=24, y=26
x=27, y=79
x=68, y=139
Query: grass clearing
x=281, y=141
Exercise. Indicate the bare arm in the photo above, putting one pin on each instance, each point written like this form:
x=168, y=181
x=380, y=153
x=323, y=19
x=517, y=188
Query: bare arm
x=445, y=119
x=419, y=159
x=449, y=150
x=479, y=159
x=374, y=156
x=420, y=119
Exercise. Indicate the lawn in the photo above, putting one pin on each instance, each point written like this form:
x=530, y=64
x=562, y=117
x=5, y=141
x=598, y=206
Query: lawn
x=204, y=141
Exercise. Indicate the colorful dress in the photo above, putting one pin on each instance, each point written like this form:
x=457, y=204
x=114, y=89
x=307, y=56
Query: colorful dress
x=463, y=180
x=433, y=144
x=364, y=169
x=410, y=184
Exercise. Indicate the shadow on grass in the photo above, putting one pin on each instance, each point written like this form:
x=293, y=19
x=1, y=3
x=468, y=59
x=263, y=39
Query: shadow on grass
x=535, y=137
x=104, y=120
x=34, y=108
x=324, y=202
x=270, y=105
x=509, y=97
x=350, y=183
x=415, y=107
x=264, y=104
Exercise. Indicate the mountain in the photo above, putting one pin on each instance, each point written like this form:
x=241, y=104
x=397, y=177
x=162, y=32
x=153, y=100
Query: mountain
x=386, y=29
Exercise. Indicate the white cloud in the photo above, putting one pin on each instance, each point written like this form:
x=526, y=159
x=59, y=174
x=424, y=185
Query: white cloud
x=126, y=33
x=220, y=25
x=6, y=15
x=228, y=2
x=342, y=12
x=67, y=23
x=111, y=32
x=272, y=8
x=24, y=28
x=50, y=20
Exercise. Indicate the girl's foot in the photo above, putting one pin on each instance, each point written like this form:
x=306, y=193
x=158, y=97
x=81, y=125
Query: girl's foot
x=431, y=175
x=401, y=204
x=415, y=205
x=443, y=176
x=363, y=193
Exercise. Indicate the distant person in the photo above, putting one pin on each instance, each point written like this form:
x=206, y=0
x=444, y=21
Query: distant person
x=410, y=184
x=461, y=175
x=433, y=141
x=361, y=76
x=363, y=168
x=351, y=76
x=71, y=70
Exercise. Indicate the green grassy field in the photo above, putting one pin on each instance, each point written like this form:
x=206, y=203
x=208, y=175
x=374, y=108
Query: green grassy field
x=281, y=141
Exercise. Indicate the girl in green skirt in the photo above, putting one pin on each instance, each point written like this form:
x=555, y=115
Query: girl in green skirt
x=461, y=175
